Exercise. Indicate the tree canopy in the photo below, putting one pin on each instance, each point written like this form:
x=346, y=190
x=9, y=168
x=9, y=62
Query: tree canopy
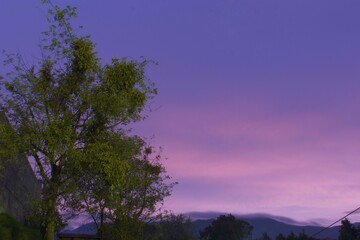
x=68, y=113
x=348, y=231
x=175, y=227
x=227, y=227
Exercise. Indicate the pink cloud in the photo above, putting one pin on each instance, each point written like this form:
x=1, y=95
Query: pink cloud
x=301, y=165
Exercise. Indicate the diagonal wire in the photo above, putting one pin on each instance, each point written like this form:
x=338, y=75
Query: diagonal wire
x=325, y=228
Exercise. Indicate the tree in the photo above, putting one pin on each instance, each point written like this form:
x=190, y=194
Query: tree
x=347, y=231
x=227, y=227
x=293, y=236
x=265, y=236
x=303, y=236
x=127, y=204
x=280, y=237
x=139, y=198
x=65, y=110
x=175, y=227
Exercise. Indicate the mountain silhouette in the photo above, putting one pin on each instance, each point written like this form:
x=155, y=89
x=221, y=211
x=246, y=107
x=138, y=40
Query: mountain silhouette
x=274, y=227
x=261, y=223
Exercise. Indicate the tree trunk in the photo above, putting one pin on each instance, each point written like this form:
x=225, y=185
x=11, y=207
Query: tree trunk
x=50, y=229
x=101, y=223
x=51, y=218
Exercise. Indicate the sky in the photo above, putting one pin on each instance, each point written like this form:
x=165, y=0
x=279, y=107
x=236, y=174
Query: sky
x=258, y=108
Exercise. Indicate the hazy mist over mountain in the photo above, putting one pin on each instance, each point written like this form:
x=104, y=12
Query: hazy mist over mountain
x=262, y=223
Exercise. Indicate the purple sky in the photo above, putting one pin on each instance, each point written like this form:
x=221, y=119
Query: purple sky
x=258, y=106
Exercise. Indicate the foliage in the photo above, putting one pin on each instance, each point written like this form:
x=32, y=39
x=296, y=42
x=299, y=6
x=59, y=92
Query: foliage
x=68, y=112
x=131, y=202
x=280, y=237
x=127, y=229
x=11, y=229
x=265, y=236
x=348, y=231
x=8, y=145
x=292, y=236
x=172, y=226
x=227, y=227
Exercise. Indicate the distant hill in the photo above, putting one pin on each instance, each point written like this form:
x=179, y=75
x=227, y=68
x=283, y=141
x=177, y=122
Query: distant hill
x=88, y=228
x=271, y=226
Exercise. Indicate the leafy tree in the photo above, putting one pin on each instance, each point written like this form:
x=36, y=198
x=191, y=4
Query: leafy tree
x=347, y=231
x=265, y=236
x=127, y=204
x=292, y=236
x=227, y=227
x=67, y=112
x=280, y=237
x=175, y=227
x=12, y=229
x=303, y=236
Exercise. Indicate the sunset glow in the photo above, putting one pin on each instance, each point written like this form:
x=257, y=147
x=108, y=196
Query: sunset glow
x=258, y=108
